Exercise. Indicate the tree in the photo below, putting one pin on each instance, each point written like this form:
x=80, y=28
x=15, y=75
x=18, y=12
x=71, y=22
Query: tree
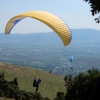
x=95, y=93
x=81, y=85
x=95, y=8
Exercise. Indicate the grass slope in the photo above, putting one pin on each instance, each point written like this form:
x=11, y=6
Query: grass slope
x=49, y=86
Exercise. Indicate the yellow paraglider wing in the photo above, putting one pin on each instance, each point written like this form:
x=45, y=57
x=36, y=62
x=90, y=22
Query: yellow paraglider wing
x=49, y=19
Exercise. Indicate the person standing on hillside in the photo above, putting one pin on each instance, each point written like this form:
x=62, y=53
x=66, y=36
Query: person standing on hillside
x=36, y=84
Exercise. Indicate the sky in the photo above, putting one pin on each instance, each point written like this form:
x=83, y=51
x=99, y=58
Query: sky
x=76, y=14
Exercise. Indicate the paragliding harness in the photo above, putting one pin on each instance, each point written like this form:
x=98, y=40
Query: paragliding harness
x=36, y=82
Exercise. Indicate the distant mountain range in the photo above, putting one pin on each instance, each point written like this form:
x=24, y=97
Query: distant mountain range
x=86, y=34
x=89, y=35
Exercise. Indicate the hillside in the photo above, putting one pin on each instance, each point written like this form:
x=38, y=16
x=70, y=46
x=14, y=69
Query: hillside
x=49, y=86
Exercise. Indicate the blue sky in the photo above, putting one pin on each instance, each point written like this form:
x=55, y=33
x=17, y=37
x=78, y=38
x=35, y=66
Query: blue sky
x=76, y=13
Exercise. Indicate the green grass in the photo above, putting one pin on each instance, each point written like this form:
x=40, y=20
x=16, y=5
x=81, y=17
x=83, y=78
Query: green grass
x=48, y=87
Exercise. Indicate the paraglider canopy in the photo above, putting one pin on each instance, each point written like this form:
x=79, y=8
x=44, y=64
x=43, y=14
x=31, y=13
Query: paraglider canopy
x=49, y=19
x=71, y=58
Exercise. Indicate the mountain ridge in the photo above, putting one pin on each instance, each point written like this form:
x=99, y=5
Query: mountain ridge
x=79, y=34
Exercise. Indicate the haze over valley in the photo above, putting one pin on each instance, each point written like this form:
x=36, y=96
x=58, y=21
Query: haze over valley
x=45, y=51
